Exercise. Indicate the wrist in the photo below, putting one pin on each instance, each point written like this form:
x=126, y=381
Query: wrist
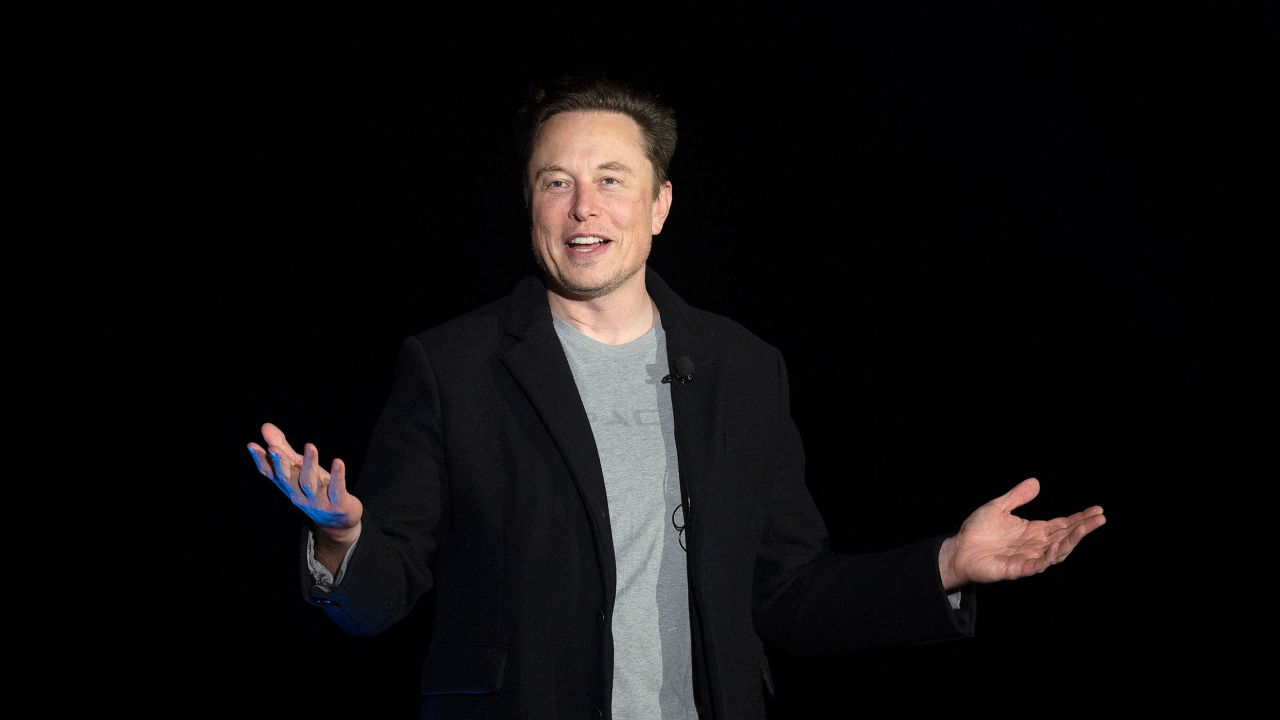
x=951, y=579
x=336, y=538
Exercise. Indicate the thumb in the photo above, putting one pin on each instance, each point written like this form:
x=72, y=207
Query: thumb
x=1021, y=494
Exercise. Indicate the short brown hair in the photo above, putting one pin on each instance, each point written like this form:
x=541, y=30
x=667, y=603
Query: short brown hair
x=590, y=93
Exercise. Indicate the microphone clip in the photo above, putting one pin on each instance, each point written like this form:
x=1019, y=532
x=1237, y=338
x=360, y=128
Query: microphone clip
x=683, y=372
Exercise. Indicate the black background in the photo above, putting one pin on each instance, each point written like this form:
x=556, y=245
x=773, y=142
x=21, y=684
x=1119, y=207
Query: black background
x=992, y=242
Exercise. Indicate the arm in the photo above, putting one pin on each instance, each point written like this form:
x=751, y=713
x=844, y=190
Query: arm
x=403, y=489
x=809, y=599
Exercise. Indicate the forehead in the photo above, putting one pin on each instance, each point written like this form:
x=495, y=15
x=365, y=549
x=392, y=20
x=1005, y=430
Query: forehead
x=595, y=136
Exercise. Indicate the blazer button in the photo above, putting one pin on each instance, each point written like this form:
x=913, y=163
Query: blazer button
x=597, y=713
x=600, y=617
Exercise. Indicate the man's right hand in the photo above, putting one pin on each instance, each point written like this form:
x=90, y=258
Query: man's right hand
x=321, y=495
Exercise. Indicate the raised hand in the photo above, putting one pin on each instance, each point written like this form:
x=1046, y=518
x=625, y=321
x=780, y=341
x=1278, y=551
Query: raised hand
x=321, y=495
x=994, y=544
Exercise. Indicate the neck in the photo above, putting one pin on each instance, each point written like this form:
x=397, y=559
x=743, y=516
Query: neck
x=619, y=317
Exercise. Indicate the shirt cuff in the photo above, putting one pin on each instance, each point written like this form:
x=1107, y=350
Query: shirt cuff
x=325, y=580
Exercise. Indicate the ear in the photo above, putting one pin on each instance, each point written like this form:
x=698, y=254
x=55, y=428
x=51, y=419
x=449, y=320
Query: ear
x=661, y=207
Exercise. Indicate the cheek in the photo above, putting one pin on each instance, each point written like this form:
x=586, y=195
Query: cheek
x=627, y=213
x=545, y=215
x=541, y=242
x=539, y=229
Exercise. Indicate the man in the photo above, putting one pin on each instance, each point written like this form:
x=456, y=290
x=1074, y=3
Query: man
x=603, y=485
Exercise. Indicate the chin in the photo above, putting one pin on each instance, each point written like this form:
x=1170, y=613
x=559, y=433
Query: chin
x=575, y=291
x=584, y=289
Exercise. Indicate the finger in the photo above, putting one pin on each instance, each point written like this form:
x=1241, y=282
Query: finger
x=281, y=470
x=337, y=480
x=1058, y=552
x=1021, y=494
x=1090, y=517
x=1082, y=523
x=1075, y=534
x=1082, y=528
x=307, y=476
x=1091, y=512
x=260, y=460
x=275, y=437
x=264, y=466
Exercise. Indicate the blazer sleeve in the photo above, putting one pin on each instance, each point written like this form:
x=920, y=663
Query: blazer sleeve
x=404, y=489
x=810, y=600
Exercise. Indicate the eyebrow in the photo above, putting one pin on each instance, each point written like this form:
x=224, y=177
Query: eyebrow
x=615, y=166
x=612, y=165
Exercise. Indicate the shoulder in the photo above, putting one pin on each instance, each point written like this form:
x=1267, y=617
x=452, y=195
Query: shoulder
x=704, y=326
x=730, y=333
x=485, y=328
x=472, y=326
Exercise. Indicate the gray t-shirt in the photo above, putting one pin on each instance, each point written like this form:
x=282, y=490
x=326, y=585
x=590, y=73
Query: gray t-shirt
x=630, y=412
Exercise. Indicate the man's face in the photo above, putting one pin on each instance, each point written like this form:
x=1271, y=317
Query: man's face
x=592, y=208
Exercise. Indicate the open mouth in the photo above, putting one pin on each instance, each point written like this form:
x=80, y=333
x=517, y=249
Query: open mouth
x=587, y=244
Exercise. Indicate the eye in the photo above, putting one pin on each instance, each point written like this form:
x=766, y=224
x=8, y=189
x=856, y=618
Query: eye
x=555, y=184
x=610, y=181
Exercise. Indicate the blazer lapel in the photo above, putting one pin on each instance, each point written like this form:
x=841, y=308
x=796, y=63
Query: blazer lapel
x=693, y=403
x=537, y=362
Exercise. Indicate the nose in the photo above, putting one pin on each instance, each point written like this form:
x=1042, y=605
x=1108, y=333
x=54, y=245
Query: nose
x=584, y=203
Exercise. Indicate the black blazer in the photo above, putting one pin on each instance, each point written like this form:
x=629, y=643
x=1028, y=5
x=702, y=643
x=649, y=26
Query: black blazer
x=482, y=483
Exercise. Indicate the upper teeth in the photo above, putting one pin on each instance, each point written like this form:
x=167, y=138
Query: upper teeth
x=586, y=240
